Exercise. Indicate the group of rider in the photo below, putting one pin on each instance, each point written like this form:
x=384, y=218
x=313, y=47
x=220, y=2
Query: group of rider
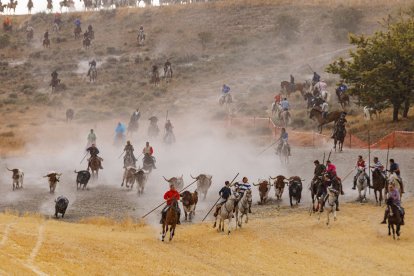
x=328, y=178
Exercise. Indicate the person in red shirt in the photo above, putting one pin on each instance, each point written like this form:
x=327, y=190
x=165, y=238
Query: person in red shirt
x=169, y=196
x=360, y=165
x=148, y=149
x=278, y=99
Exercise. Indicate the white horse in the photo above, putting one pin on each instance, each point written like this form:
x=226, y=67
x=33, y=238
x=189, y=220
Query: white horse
x=243, y=208
x=362, y=184
x=369, y=112
x=331, y=208
x=226, y=212
x=226, y=100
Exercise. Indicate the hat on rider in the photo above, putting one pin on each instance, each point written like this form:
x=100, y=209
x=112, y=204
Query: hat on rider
x=316, y=162
x=227, y=183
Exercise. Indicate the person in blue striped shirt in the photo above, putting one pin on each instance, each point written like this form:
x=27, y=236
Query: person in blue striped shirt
x=242, y=187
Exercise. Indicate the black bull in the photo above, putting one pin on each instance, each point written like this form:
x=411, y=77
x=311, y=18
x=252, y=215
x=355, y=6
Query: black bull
x=61, y=206
x=82, y=179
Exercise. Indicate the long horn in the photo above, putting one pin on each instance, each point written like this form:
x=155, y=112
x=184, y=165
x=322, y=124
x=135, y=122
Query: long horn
x=8, y=169
x=273, y=178
x=193, y=177
x=166, y=179
x=256, y=184
x=76, y=171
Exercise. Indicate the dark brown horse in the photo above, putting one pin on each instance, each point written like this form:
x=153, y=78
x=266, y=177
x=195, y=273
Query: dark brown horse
x=343, y=98
x=54, y=83
x=170, y=220
x=339, y=137
x=46, y=43
x=86, y=43
x=94, y=164
x=77, y=32
x=287, y=88
x=379, y=182
x=331, y=117
x=69, y=115
x=394, y=218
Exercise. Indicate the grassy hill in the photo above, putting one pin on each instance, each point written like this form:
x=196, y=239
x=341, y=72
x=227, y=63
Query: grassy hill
x=250, y=45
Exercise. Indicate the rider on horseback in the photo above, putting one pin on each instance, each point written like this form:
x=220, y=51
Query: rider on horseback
x=169, y=196
x=93, y=151
x=224, y=193
x=29, y=29
x=283, y=139
x=135, y=116
x=285, y=105
x=395, y=168
x=241, y=188
x=92, y=66
x=77, y=22
x=360, y=165
x=342, y=87
x=331, y=172
x=129, y=152
x=7, y=24
x=319, y=169
x=292, y=83
x=378, y=167
x=46, y=35
x=91, y=138
x=148, y=152
x=395, y=195
x=339, y=124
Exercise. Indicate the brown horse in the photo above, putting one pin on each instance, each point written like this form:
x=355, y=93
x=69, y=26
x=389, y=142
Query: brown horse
x=12, y=6
x=339, y=137
x=86, y=43
x=170, y=220
x=94, y=164
x=30, y=6
x=54, y=83
x=46, y=43
x=77, y=32
x=288, y=89
x=379, y=182
x=331, y=117
x=343, y=98
x=155, y=77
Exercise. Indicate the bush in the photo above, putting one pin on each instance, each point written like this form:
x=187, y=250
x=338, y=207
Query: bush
x=287, y=26
x=4, y=41
x=205, y=38
x=345, y=20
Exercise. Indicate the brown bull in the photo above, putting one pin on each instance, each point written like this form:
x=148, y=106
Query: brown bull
x=189, y=201
x=17, y=177
x=53, y=180
x=178, y=182
x=264, y=188
x=141, y=177
x=129, y=177
x=203, y=183
x=279, y=184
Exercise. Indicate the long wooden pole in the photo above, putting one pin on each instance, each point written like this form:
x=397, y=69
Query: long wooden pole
x=165, y=201
x=369, y=162
x=218, y=199
x=388, y=152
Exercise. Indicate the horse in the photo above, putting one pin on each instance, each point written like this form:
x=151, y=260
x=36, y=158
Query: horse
x=287, y=87
x=77, y=32
x=141, y=38
x=93, y=75
x=69, y=115
x=94, y=165
x=379, y=182
x=362, y=184
x=332, y=204
x=170, y=220
x=339, y=136
x=49, y=5
x=316, y=194
x=343, y=98
x=29, y=35
x=285, y=117
x=129, y=160
x=153, y=130
x=331, y=117
x=133, y=126
x=86, y=43
x=148, y=163
x=226, y=100
x=155, y=76
x=12, y=6
x=284, y=152
x=394, y=218
x=30, y=6
x=46, y=43
x=54, y=83
x=168, y=72
x=226, y=212
x=243, y=208
x=169, y=138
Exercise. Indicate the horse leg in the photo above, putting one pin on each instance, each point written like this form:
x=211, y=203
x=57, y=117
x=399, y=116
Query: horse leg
x=398, y=231
x=334, y=214
x=163, y=232
x=393, y=231
x=229, y=226
x=171, y=232
x=327, y=214
x=247, y=218
x=376, y=199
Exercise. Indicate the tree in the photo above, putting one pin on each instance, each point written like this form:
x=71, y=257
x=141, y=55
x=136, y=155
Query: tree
x=381, y=68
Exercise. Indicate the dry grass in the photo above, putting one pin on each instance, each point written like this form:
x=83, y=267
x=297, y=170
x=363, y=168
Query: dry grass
x=286, y=241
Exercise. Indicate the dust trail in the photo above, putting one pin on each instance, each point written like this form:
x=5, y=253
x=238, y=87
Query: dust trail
x=35, y=251
x=6, y=233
